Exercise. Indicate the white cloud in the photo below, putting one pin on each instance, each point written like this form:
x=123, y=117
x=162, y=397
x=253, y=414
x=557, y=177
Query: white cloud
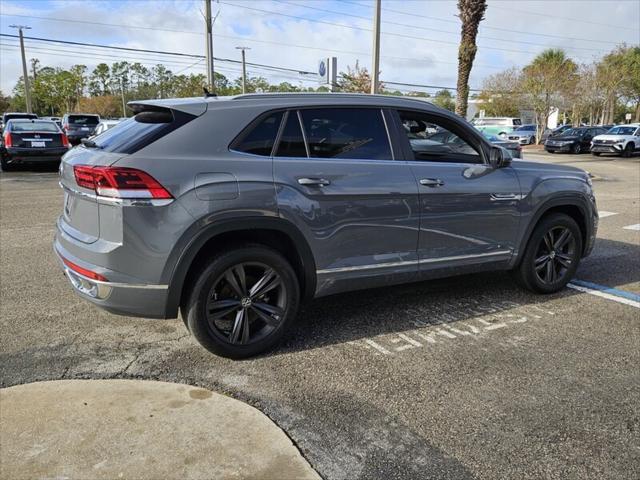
x=410, y=60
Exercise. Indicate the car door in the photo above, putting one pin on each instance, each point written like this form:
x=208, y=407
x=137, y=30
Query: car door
x=469, y=211
x=338, y=181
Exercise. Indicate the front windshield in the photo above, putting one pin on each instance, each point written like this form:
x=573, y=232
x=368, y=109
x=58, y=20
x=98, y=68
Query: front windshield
x=621, y=131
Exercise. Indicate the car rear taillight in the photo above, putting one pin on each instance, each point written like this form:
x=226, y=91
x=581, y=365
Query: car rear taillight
x=119, y=182
x=7, y=140
x=65, y=140
x=83, y=271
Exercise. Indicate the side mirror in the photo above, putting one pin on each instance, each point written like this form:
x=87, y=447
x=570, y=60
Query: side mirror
x=499, y=157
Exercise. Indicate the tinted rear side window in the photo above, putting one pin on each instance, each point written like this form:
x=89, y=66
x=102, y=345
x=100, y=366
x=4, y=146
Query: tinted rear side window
x=291, y=142
x=259, y=139
x=357, y=133
x=83, y=120
x=140, y=131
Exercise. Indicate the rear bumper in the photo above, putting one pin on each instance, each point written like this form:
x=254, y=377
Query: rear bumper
x=75, y=138
x=121, y=297
x=553, y=149
x=27, y=155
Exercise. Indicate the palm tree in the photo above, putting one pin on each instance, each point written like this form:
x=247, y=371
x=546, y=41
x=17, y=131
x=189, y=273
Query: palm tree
x=471, y=14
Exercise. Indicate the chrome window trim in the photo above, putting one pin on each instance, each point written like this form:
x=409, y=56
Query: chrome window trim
x=304, y=134
x=412, y=262
x=386, y=127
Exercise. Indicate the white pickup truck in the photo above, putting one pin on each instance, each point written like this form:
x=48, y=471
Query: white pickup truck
x=621, y=140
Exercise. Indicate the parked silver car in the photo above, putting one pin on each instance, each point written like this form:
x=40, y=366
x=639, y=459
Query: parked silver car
x=233, y=210
x=524, y=135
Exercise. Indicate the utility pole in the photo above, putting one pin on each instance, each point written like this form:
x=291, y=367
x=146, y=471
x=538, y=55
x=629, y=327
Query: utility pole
x=244, y=68
x=375, y=68
x=25, y=74
x=124, y=106
x=209, y=44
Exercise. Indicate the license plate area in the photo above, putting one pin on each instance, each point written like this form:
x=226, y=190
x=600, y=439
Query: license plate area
x=38, y=144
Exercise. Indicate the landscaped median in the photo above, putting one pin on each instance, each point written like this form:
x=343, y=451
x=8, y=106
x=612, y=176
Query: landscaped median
x=139, y=429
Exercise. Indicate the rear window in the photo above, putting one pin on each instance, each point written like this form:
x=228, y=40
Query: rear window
x=18, y=127
x=140, y=131
x=11, y=116
x=83, y=120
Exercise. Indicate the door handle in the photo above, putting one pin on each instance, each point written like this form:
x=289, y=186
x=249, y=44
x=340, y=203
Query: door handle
x=431, y=182
x=314, y=182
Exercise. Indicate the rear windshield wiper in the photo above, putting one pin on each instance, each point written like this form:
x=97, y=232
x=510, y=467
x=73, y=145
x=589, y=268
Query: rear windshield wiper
x=89, y=143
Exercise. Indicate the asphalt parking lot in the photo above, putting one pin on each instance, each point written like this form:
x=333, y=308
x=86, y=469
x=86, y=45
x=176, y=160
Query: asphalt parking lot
x=461, y=378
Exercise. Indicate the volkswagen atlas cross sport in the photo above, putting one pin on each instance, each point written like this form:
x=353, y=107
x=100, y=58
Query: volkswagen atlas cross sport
x=234, y=210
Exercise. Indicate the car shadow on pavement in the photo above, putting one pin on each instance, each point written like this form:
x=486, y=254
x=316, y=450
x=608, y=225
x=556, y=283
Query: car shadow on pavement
x=48, y=167
x=485, y=299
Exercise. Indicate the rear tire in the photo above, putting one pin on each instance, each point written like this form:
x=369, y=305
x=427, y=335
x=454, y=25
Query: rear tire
x=6, y=166
x=229, y=311
x=576, y=149
x=628, y=150
x=552, y=255
x=595, y=154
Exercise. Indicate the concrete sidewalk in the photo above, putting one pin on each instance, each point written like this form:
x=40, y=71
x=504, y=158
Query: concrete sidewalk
x=81, y=429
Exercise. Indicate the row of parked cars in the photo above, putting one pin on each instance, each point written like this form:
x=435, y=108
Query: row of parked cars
x=27, y=138
x=621, y=140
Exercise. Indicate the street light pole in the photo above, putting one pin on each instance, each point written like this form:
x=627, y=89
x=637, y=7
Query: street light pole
x=244, y=68
x=375, y=68
x=25, y=74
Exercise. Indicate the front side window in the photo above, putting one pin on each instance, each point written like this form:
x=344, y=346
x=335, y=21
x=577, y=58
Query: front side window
x=355, y=133
x=259, y=139
x=433, y=141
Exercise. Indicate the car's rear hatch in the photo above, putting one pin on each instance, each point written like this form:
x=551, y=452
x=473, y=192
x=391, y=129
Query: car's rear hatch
x=81, y=125
x=80, y=217
x=36, y=140
x=82, y=207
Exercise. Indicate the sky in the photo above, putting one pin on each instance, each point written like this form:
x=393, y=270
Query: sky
x=418, y=44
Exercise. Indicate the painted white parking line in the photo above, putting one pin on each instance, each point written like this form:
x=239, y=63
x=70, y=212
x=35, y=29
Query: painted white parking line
x=605, y=214
x=605, y=294
x=633, y=227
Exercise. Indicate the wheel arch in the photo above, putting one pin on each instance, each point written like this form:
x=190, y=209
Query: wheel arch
x=272, y=232
x=575, y=207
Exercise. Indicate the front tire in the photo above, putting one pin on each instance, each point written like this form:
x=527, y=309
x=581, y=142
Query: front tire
x=242, y=302
x=552, y=255
x=628, y=150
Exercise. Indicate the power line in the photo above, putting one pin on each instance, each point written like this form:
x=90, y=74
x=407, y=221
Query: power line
x=147, y=61
x=413, y=37
x=267, y=42
x=179, y=54
x=388, y=22
x=486, y=27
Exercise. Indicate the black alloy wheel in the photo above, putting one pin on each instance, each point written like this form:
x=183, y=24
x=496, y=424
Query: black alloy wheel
x=246, y=303
x=241, y=301
x=577, y=149
x=555, y=255
x=552, y=254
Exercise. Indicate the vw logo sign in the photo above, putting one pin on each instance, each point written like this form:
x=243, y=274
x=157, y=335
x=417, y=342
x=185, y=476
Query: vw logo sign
x=322, y=69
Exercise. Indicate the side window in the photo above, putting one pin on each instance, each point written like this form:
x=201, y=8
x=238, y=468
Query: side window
x=431, y=141
x=357, y=133
x=259, y=139
x=291, y=142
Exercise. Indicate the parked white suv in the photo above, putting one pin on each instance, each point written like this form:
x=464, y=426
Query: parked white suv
x=621, y=140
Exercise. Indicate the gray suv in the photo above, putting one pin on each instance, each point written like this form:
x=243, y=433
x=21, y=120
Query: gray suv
x=234, y=210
